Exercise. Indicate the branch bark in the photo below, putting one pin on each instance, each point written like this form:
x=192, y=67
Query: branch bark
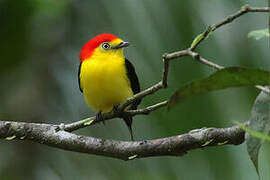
x=50, y=135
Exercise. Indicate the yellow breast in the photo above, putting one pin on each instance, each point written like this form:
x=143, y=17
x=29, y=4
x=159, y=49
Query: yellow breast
x=104, y=82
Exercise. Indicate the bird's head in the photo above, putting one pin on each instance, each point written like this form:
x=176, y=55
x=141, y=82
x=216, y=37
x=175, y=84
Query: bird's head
x=103, y=45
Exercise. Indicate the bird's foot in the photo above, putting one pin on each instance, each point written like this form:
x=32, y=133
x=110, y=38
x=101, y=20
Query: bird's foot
x=115, y=108
x=99, y=117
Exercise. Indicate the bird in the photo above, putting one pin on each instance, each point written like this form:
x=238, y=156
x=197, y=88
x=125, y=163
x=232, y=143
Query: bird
x=106, y=77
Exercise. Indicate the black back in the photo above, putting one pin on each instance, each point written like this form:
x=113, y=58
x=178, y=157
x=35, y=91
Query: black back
x=134, y=82
x=79, y=73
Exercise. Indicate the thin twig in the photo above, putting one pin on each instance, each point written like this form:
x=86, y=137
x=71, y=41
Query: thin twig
x=148, y=109
x=200, y=59
x=141, y=95
x=165, y=72
x=110, y=115
x=245, y=9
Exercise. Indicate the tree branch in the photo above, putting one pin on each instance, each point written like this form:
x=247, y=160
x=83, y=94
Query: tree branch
x=49, y=134
x=245, y=9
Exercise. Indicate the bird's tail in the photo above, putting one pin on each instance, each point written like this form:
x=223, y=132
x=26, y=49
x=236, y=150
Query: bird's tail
x=128, y=121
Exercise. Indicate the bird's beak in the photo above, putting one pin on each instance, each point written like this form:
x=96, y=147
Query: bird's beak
x=121, y=45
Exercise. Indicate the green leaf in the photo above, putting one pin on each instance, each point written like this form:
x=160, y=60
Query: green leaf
x=258, y=34
x=222, y=79
x=259, y=127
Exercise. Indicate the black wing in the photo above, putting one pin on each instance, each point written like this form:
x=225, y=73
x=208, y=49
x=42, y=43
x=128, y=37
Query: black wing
x=79, y=73
x=134, y=81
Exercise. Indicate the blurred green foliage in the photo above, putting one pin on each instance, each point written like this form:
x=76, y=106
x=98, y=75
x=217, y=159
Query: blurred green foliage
x=40, y=43
x=259, y=34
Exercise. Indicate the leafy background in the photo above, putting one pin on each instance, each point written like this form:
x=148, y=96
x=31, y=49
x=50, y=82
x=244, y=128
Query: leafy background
x=40, y=42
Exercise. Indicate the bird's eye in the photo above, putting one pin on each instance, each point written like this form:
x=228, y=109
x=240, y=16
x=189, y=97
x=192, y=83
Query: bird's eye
x=106, y=46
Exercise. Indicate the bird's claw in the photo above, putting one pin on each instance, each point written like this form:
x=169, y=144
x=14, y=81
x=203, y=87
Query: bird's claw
x=99, y=117
x=115, y=108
